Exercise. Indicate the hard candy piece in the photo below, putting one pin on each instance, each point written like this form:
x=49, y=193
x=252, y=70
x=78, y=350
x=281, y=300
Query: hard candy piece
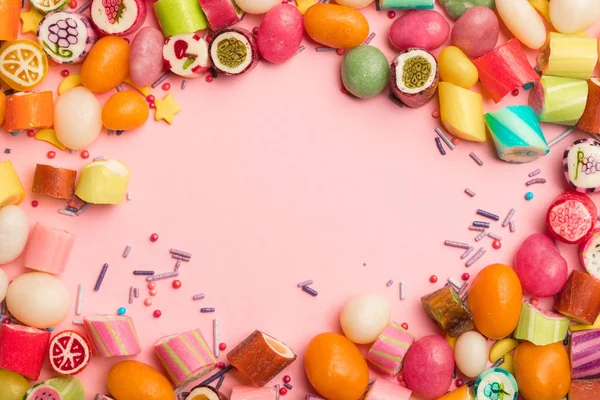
x=462, y=393
x=517, y=134
x=471, y=353
x=125, y=111
x=31, y=110
x=568, y=56
x=146, y=56
x=77, y=130
x=586, y=327
x=11, y=190
x=45, y=7
x=495, y=382
x=103, y=182
x=280, y=33
x=476, y=31
x=260, y=358
x=589, y=255
x=69, y=353
x=364, y=317
x=221, y=13
x=581, y=164
x=365, y=71
x=456, y=8
x=523, y=21
x=112, y=335
x=461, y=112
x=210, y=393
x=133, y=380
x=425, y=29
x=590, y=120
x=118, y=17
x=580, y=298
x=257, y=6
x=389, y=349
x=336, y=26
x=571, y=217
x=23, y=349
x=447, y=310
x=59, y=388
x=429, y=367
x=403, y=4
x=559, y=100
x=585, y=354
x=9, y=19
x=233, y=51
x=505, y=69
x=414, y=77
x=385, y=390
x=541, y=327
x=66, y=37
x=23, y=64
x=106, y=66
x=49, y=136
x=501, y=348
x=584, y=389
x=3, y=285
x=14, y=231
x=304, y=5
x=54, y=182
x=542, y=372
x=456, y=68
x=186, y=54
x=14, y=386
x=570, y=16
x=48, y=249
x=254, y=393
x=179, y=16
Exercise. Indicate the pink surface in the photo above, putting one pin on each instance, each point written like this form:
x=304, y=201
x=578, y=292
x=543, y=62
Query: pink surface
x=48, y=249
x=112, y=336
x=273, y=178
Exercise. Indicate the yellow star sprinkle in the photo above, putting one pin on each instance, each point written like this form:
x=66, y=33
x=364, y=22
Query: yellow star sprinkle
x=166, y=109
x=31, y=19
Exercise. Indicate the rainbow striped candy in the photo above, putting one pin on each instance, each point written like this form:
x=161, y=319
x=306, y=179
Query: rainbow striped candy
x=186, y=356
x=112, y=335
x=585, y=354
x=389, y=349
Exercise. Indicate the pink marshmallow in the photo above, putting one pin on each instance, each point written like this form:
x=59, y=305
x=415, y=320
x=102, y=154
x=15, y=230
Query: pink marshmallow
x=48, y=249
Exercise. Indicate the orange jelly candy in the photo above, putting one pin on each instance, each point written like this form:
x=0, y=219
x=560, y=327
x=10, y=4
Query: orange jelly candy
x=106, y=65
x=336, y=26
x=125, y=111
x=23, y=64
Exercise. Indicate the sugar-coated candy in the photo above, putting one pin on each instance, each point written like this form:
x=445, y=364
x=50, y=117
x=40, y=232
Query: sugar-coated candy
x=54, y=182
x=134, y=380
x=106, y=65
x=581, y=164
x=589, y=256
x=29, y=110
x=221, y=13
x=185, y=356
x=568, y=56
x=461, y=393
x=125, y=111
x=559, y=100
x=3, y=285
x=59, y=388
x=45, y=7
x=112, y=335
x=280, y=33
x=14, y=231
x=365, y=71
x=233, y=51
x=476, y=31
x=471, y=353
x=505, y=69
x=103, y=182
x=425, y=29
x=590, y=120
x=517, y=134
x=355, y=3
x=186, y=54
x=118, y=17
x=584, y=389
x=446, y=309
x=461, y=112
x=541, y=327
x=23, y=64
x=260, y=357
x=23, y=349
x=570, y=16
x=456, y=68
x=523, y=21
x=77, y=129
x=48, y=249
x=429, y=366
x=382, y=389
x=257, y=6
x=336, y=26
x=9, y=19
x=493, y=382
x=457, y=8
x=403, y=4
x=210, y=393
x=146, y=57
x=580, y=298
x=27, y=299
x=389, y=349
x=11, y=190
x=69, y=352
x=179, y=16
x=414, y=77
x=364, y=317
x=571, y=217
x=585, y=354
x=66, y=37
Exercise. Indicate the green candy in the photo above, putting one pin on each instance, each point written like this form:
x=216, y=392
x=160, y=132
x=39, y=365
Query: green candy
x=456, y=8
x=365, y=71
x=59, y=388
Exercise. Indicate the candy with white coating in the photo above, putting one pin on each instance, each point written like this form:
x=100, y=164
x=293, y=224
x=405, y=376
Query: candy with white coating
x=232, y=51
x=581, y=164
x=38, y=299
x=3, y=285
x=77, y=118
x=221, y=13
x=280, y=33
x=471, y=353
x=103, y=182
x=364, y=317
x=496, y=381
x=365, y=71
x=570, y=16
x=257, y=6
x=146, y=56
x=186, y=54
x=541, y=327
x=66, y=37
x=14, y=231
x=523, y=21
x=589, y=254
x=118, y=17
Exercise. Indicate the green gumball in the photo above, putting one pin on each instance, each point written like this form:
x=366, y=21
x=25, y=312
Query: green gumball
x=365, y=71
x=456, y=8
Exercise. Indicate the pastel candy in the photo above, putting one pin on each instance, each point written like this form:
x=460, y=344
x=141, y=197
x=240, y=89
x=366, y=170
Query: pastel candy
x=221, y=13
x=185, y=356
x=365, y=71
x=66, y=37
x=456, y=8
x=461, y=112
x=112, y=335
x=569, y=56
x=462, y=393
x=559, y=100
x=570, y=16
x=487, y=385
x=103, y=182
x=48, y=249
x=385, y=390
x=541, y=327
x=523, y=21
x=186, y=54
x=581, y=164
x=254, y=393
x=517, y=134
x=11, y=190
x=585, y=354
x=389, y=349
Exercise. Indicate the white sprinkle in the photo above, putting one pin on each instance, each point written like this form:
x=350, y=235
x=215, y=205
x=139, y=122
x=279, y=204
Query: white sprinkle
x=77, y=322
x=440, y=132
x=216, y=337
x=126, y=251
x=305, y=283
x=79, y=304
x=165, y=275
x=402, y=290
x=99, y=158
x=128, y=196
x=509, y=216
x=83, y=208
x=199, y=296
x=66, y=212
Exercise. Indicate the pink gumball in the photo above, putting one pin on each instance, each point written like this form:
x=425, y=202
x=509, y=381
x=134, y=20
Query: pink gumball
x=429, y=366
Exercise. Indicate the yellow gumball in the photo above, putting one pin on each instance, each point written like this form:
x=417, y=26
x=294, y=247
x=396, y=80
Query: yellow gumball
x=456, y=68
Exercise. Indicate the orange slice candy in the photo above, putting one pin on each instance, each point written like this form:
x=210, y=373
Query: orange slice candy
x=23, y=64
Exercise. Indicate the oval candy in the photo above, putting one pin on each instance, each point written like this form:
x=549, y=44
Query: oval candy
x=280, y=33
x=336, y=26
x=146, y=56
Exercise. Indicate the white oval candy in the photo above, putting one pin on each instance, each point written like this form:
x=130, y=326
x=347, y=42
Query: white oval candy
x=77, y=118
x=257, y=6
x=570, y=16
x=3, y=285
x=364, y=317
x=14, y=231
x=470, y=353
x=38, y=299
x=523, y=21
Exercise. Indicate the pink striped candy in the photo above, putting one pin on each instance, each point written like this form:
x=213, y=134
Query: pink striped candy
x=385, y=390
x=389, y=349
x=112, y=335
x=585, y=354
x=253, y=393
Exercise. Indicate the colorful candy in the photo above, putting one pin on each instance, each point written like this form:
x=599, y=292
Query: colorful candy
x=9, y=19
x=471, y=353
x=23, y=349
x=48, y=6
x=523, y=21
x=179, y=16
x=389, y=349
x=106, y=65
x=461, y=112
x=23, y=64
x=414, y=77
x=570, y=16
x=48, y=249
x=541, y=327
x=588, y=254
x=14, y=230
x=67, y=38
x=58, y=388
x=11, y=190
x=580, y=298
x=336, y=26
x=280, y=33
x=495, y=382
x=425, y=29
x=456, y=8
x=31, y=110
x=69, y=353
x=403, y=4
x=590, y=120
x=125, y=111
x=133, y=380
x=112, y=335
x=364, y=317
x=233, y=51
x=103, y=182
x=559, y=100
x=429, y=366
x=186, y=55
x=571, y=217
x=221, y=13
x=456, y=68
x=145, y=56
x=585, y=354
x=365, y=71
x=584, y=389
x=568, y=56
x=77, y=130
x=446, y=309
x=581, y=164
x=118, y=17
x=54, y=182
x=385, y=390
x=476, y=31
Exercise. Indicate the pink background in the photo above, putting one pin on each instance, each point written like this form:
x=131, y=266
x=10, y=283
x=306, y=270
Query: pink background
x=273, y=178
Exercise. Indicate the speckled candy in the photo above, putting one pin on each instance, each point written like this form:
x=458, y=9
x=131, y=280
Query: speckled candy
x=365, y=71
x=280, y=33
x=389, y=349
x=456, y=8
x=23, y=349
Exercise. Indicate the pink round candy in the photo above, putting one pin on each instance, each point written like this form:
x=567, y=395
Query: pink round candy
x=280, y=33
x=425, y=29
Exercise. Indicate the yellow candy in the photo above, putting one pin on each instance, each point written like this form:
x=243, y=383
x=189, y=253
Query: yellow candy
x=509, y=363
x=49, y=135
x=304, y=5
x=542, y=7
x=11, y=188
x=462, y=393
x=103, y=182
x=461, y=112
x=502, y=347
x=69, y=83
x=568, y=56
x=456, y=68
x=143, y=90
x=581, y=327
x=451, y=341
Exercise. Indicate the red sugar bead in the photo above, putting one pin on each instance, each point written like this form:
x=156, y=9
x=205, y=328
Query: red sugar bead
x=73, y=4
x=153, y=292
x=51, y=154
x=176, y=284
x=400, y=378
x=220, y=365
x=6, y=321
x=157, y=313
x=209, y=38
x=403, y=384
x=433, y=279
x=435, y=114
x=459, y=383
x=534, y=301
x=344, y=90
x=287, y=379
x=515, y=92
x=404, y=326
x=64, y=73
x=151, y=285
x=31, y=133
x=150, y=98
x=255, y=30
x=209, y=78
x=166, y=86
x=148, y=302
x=496, y=244
x=34, y=203
x=466, y=276
x=340, y=52
x=391, y=14
x=85, y=154
x=282, y=391
x=72, y=203
x=455, y=141
x=222, y=346
x=152, y=105
x=154, y=237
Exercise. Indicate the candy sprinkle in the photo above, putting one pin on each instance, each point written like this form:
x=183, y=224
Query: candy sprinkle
x=305, y=283
x=369, y=38
x=454, y=283
x=177, y=265
x=131, y=294
x=389, y=283
x=488, y=214
x=79, y=304
x=207, y=310
x=101, y=277
x=287, y=386
x=459, y=245
x=160, y=80
x=180, y=258
x=166, y=275
x=511, y=226
x=467, y=252
x=465, y=276
x=476, y=159
x=199, y=296
x=494, y=236
x=66, y=212
x=139, y=272
x=508, y=218
x=176, y=284
x=396, y=100
x=476, y=228
x=121, y=311
x=181, y=253
x=440, y=132
x=323, y=48
x=480, y=236
x=469, y=192
x=220, y=383
x=529, y=196
x=183, y=84
x=402, y=290
x=475, y=257
x=126, y=251
x=534, y=181
x=136, y=292
x=534, y=173
x=481, y=224
x=77, y=322
x=561, y=136
x=82, y=209
x=310, y=291
x=216, y=338
x=438, y=143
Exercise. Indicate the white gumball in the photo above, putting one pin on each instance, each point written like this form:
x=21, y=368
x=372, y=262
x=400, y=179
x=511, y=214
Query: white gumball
x=570, y=16
x=257, y=6
x=38, y=299
x=354, y=3
x=3, y=285
x=364, y=317
x=77, y=118
x=471, y=353
x=14, y=231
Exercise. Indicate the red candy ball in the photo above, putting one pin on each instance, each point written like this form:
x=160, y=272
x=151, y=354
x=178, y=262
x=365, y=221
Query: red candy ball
x=515, y=92
x=166, y=86
x=51, y=154
x=255, y=30
x=497, y=244
x=287, y=379
x=459, y=383
x=221, y=365
x=404, y=326
x=222, y=346
x=85, y=154
x=344, y=90
x=282, y=391
x=157, y=313
x=64, y=73
x=34, y=203
x=435, y=114
x=6, y=321
x=176, y=284
x=154, y=237
x=534, y=301
x=31, y=133
x=391, y=14
x=209, y=78
x=151, y=285
x=153, y=292
x=148, y=302
x=340, y=52
x=455, y=141
x=433, y=279
x=71, y=203
x=73, y=4
x=466, y=276
x=152, y=105
x=150, y=98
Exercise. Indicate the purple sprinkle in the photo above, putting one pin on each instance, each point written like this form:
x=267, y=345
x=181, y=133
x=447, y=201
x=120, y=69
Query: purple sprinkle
x=475, y=257
x=181, y=253
x=459, y=245
x=305, y=283
x=310, y=291
x=139, y=272
x=207, y=309
x=199, y=296
x=511, y=226
x=534, y=181
x=467, y=252
x=509, y=216
x=534, y=173
x=469, y=191
x=476, y=159
x=101, y=277
x=488, y=214
x=126, y=251
x=166, y=275
x=438, y=143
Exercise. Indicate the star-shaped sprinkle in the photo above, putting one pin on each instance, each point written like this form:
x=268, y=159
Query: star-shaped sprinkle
x=31, y=19
x=166, y=109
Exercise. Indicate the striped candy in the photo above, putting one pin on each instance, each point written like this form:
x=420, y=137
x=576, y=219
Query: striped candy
x=186, y=356
x=585, y=354
x=384, y=390
x=112, y=335
x=541, y=327
x=559, y=100
x=389, y=349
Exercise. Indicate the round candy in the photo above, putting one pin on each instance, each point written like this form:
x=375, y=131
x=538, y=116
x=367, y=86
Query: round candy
x=364, y=317
x=125, y=111
x=280, y=33
x=107, y=64
x=476, y=32
x=66, y=37
x=571, y=217
x=186, y=54
x=38, y=299
x=14, y=231
x=3, y=285
x=146, y=57
x=429, y=366
x=77, y=120
x=581, y=163
x=571, y=16
x=365, y=71
x=426, y=29
x=414, y=77
x=233, y=51
x=257, y=6
x=589, y=254
x=470, y=353
x=542, y=372
x=23, y=64
x=494, y=384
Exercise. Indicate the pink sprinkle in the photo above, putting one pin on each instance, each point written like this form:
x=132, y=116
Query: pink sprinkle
x=157, y=313
x=391, y=14
x=148, y=302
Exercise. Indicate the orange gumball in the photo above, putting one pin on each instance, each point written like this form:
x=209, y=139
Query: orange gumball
x=125, y=111
x=106, y=65
x=495, y=300
x=542, y=372
x=336, y=26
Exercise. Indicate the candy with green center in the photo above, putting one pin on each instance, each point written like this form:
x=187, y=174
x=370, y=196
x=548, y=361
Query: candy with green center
x=414, y=77
x=365, y=71
x=456, y=8
x=233, y=51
